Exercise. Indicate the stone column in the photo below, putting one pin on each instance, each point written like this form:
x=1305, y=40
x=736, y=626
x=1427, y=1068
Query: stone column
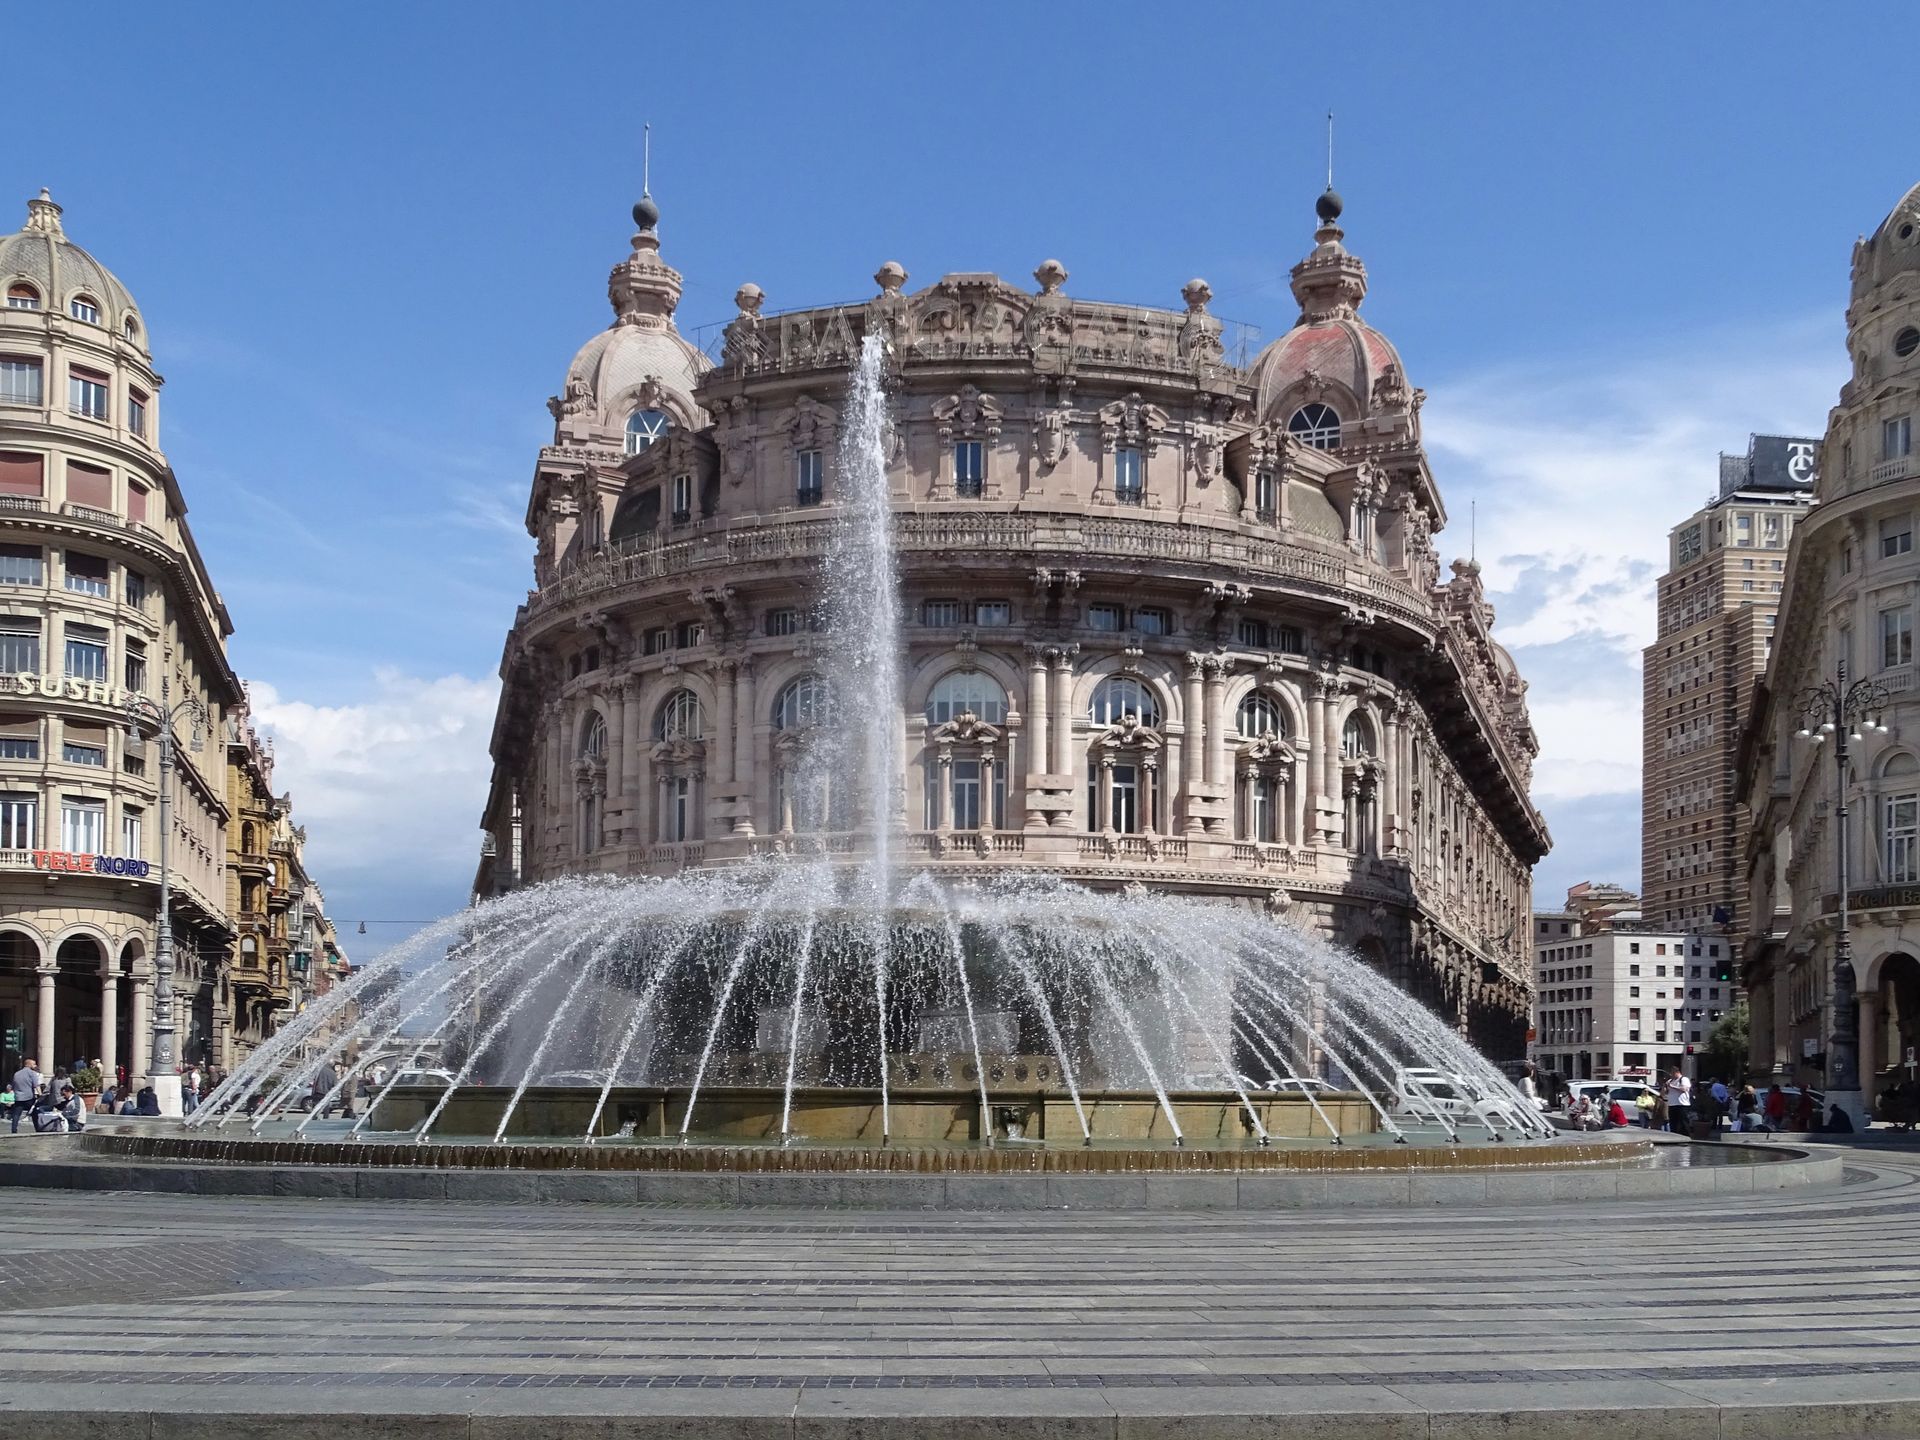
x=1039, y=715
x=1062, y=697
x=989, y=818
x=109, y=1051
x=743, y=713
x=1103, y=797
x=1193, y=746
x=43, y=1021
x=633, y=764
x=720, y=750
x=141, y=1024
x=943, y=791
x=1782, y=1018
x=1216, y=770
x=613, y=821
x=1873, y=1027
x=1393, y=816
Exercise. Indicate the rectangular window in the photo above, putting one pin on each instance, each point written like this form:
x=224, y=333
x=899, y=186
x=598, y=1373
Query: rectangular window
x=81, y=308
x=942, y=612
x=136, y=666
x=689, y=633
x=785, y=621
x=1896, y=537
x=1106, y=617
x=136, y=590
x=87, y=394
x=19, y=814
x=993, y=613
x=131, y=763
x=657, y=641
x=131, y=824
x=83, y=825
x=1896, y=637
x=1896, y=437
x=84, y=745
x=19, y=645
x=136, y=501
x=1266, y=494
x=86, y=652
x=1250, y=632
x=19, y=739
x=1901, y=848
x=682, y=499
x=22, y=474
x=137, y=413
x=1152, y=620
x=20, y=381
x=1129, y=476
x=87, y=574
x=1290, y=640
x=969, y=468
x=809, y=482
x=89, y=485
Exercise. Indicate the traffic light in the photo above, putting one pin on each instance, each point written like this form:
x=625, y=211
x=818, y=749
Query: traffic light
x=13, y=1039
x=1723, y=972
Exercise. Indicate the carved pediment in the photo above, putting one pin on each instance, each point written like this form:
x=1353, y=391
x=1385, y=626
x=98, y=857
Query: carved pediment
x=966, y=728
x=967, y=413
x=1131, y=422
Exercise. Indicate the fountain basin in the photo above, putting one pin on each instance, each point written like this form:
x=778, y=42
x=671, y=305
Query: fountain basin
x=845, y=1114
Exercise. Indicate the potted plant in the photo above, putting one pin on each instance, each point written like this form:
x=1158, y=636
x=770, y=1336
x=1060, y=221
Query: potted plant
x=86, y=1084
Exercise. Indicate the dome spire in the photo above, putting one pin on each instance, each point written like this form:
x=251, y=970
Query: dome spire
x=1330, y=283
x=643, y=288
x=43, y=216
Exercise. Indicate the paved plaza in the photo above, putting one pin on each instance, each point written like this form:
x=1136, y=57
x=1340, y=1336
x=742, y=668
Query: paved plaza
x=164, y=1315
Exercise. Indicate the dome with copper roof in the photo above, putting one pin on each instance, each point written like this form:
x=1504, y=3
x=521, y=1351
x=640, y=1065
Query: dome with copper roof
x=42, y=269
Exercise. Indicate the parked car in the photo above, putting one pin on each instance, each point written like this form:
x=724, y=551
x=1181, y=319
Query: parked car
x=424, y=1077
x=1423, y=1092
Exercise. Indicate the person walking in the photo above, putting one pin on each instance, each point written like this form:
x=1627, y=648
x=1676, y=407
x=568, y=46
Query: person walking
x=1722, y=1102
x=1679, y=1098
x=190, y=1090
x=26, y=1085
x=1776, y=1107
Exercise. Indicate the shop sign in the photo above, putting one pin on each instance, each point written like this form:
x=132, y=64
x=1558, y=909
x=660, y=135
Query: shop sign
x=69, y=863
x=63, y=687
x=1885, y=897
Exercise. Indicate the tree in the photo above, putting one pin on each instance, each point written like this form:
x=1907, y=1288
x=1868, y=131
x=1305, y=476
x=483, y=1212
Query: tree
x=1725, y=1053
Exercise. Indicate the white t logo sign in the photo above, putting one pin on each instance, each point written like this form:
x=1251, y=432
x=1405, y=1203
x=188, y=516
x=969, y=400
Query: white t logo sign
x=1800, y=461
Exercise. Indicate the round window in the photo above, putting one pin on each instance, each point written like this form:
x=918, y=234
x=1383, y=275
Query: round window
x=1906, y=342
x=1906, y=231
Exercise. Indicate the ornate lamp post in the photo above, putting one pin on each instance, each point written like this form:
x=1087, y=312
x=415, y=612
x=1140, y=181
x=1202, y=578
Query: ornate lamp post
x=1841, y=711
x=158, y=717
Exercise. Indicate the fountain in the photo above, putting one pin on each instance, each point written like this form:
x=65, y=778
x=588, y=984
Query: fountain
x=842, y=1000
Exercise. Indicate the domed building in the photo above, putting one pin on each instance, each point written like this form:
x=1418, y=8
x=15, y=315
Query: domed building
x=1171, y=619
x=1844, y=1020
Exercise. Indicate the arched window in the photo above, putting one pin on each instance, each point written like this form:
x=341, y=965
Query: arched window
x=801, y=704
x=22, y=297
x=593, y=739
x=967, y=693
x=1121, y=695
x=84, y=307
x=1356, y=737
x=247, y=845
x=133, y=328
x=1260, y=717
x=1900, y=820
x=680, y=718
x=644, y=427
x=1316, y=425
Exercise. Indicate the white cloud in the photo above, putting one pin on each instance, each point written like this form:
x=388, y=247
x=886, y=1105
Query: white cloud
x=388, y=787
x=1580, y=468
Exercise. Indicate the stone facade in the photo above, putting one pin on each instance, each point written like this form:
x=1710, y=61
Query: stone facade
x=1171, y=618
x=1850, y=597
x=103, y=598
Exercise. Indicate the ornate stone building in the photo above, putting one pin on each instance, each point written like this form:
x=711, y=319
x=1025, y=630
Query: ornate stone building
x=1171, y=618
x=1852, y=588
x=103, y=596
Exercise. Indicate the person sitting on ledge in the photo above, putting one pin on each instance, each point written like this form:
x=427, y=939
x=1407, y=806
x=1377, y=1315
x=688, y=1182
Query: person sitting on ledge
x=72, y=1109
x=1838, y=1121
x=147, y=1102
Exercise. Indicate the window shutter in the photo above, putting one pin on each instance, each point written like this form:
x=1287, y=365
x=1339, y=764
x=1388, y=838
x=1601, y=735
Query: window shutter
x=19, y=727
x=136, y=501
x=21, y=474
x=89, y=485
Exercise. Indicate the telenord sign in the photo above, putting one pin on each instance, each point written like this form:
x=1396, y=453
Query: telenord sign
x=66, y=860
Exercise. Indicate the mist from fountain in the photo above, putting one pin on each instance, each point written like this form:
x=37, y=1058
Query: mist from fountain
x=797, y=972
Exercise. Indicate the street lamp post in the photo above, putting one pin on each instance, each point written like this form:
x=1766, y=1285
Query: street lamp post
x=1841, y=710
x=143, y=714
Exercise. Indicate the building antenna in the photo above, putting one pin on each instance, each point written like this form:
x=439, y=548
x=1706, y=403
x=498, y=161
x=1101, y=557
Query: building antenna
x=646, y=160
x=1329, y=149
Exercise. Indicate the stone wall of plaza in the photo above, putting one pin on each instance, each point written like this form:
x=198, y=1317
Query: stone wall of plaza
x=1851, y=585
x=103, y=597
x=1171, y=619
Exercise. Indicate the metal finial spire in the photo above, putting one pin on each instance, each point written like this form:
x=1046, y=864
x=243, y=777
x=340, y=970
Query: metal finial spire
x=646, y=159
x=1329, y=149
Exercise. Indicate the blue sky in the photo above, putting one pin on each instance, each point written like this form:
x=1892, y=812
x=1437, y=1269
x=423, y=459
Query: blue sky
x=1609, y=241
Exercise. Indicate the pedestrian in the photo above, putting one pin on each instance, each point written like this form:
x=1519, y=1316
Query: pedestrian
x=1679, y=1098
x=1746, y=1110
x=190, y=1090
x=120, y=1078
x=1617, y=1114
x=1838, y=1121
x=1644, y=1103
x=26, y=1085
x=1722, y=1101
x=1776, y=1107
x=73, y=1109
x=1805, y=1119
x=1530, y=1085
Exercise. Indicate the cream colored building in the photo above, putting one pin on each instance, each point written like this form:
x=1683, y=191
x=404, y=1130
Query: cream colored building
x=1174, y=612
x=1718, y=603
x=102, y=595
x=1852, y=588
